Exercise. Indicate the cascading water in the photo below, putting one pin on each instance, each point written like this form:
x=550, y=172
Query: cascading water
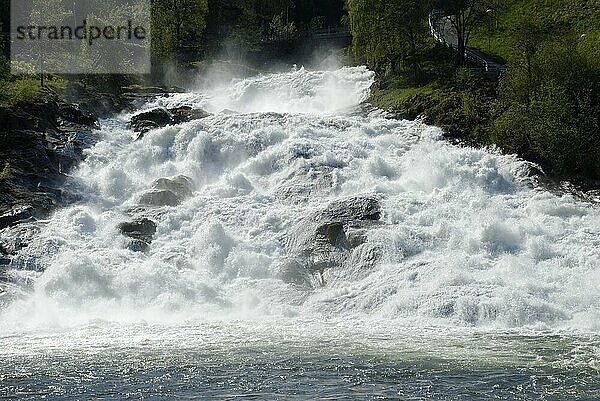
x=313, y=223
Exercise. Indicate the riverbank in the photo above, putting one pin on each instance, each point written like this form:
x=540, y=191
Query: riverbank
x=44, y=132
x=545, y=106
x=466, y=108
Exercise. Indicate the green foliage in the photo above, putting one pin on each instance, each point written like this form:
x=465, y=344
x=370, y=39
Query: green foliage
x=245, y=36
x=280, y=30
x=546, y=106
x=176, y=24
x=550, y=107
x=26, y=90
x=465, y=16
x=389, y=34
x=4, y=62
x=5, y=172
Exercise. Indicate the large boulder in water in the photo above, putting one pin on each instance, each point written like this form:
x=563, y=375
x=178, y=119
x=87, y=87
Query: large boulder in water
x=327, y=229
x=140, y=231
x=16, y=215
x=327, y=238
x=186, y=113
x=168, y=191
x=144, y=122
x=157, y=118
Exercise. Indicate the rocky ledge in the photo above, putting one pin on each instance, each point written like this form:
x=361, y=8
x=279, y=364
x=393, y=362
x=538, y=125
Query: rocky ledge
x=157, y=118
x=39, y=144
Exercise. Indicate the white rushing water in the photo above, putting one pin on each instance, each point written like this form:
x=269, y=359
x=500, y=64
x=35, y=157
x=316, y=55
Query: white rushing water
x=464, y=241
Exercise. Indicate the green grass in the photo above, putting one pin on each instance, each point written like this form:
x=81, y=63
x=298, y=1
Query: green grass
x=559, y=17
x=395, y=98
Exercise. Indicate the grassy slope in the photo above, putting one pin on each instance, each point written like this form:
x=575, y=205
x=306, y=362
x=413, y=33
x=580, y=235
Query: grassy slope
x=562, y=16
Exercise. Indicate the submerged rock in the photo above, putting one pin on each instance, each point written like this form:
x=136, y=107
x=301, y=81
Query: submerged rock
x=140, y=231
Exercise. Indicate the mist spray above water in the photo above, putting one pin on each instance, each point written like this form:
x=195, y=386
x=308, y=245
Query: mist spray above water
x=463, y=240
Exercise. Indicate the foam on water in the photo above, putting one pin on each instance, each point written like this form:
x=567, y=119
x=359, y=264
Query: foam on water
x=465, y=242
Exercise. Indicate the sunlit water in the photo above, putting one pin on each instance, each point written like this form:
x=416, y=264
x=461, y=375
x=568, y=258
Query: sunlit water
x=484, y=286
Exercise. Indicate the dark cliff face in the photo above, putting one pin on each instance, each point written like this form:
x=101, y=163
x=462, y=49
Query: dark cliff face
x=39, y=144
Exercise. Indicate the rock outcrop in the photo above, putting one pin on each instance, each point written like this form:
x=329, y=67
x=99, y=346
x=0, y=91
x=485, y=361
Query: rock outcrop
x=140, y=231
x=144, y=122
x=17, y=215
x=330, y=237
x=168, y=191
x=158, y=118
x=39, y=143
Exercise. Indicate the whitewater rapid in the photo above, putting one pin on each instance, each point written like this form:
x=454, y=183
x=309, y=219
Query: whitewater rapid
x=465, y=240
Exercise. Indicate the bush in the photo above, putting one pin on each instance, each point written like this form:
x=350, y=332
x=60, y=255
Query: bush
x=25, y=90
x=5, y=172
x=550, y=109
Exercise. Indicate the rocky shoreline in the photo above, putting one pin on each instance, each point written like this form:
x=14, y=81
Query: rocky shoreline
x=40, y=142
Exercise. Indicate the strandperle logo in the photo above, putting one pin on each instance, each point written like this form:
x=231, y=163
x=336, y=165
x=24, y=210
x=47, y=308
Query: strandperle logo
x=82, y=32
x=80, y=37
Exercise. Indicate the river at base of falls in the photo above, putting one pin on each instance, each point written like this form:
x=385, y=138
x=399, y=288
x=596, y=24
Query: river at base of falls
x=297, y=360
x=468, y=283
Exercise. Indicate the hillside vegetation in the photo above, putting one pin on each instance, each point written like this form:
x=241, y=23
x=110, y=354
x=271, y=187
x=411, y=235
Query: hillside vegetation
x=546, y=106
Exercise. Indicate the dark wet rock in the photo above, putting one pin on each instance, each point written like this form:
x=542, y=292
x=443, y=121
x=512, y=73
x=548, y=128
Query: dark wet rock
x=39, y=143
x=333, y=234
x=534, y=171
x=16, y=215
x=161, y=197
x=4, y=259
x=358, y=208
x=17, y=237
x=143, y=228
x=185, y=113
x=356, y=236
x=180, y=185
x=138, y=245
x=293, y=272
x=74, y=114
x=158, y=118
x=144, y=122
x=143, y=126
x=140, y=231
x=326, y=229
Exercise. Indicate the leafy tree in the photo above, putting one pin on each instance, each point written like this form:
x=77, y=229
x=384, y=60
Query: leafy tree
x=46, y=13
x=304, y=11
x=175, y=25
x=465, y=15
x=280, y=30
x=389, y=33
x=550, y=106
